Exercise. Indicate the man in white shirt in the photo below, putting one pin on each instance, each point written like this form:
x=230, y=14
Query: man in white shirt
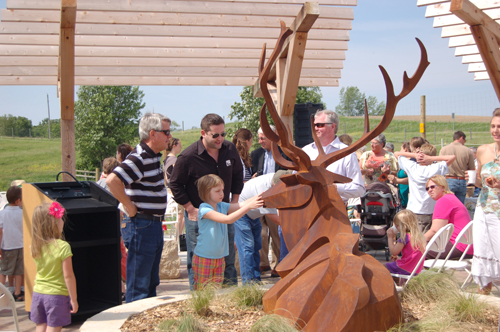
x=428, y=165
x=248, y=228
x=326, y=124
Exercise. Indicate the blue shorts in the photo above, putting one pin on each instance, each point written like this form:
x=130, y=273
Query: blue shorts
x=51, y=309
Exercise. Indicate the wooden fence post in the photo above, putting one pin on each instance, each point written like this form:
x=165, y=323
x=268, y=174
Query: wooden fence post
x=97, y=174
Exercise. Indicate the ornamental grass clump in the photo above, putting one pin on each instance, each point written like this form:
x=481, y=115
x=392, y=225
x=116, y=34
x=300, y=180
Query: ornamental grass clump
x=249, y=295
x=274, y=323
x=430, y=286
x=201, y=299
x=186, y=323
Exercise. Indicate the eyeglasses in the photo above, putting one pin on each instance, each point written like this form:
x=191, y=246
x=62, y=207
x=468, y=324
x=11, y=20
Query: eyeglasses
x=430, y=187
x=166, y=132
x=321, y=125
x=223, y=134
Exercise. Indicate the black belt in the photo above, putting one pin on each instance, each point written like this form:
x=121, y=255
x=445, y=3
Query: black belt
x=149, y=217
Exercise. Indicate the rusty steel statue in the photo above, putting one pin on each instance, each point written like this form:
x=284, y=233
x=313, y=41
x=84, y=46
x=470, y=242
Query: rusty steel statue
x=327, y=283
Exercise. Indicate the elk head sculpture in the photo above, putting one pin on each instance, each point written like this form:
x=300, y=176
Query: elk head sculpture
x=327, y=284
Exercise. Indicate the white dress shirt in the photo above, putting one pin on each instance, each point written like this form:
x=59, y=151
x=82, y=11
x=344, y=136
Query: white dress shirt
x=269, y=163
x=419, y=201
x=255, y=187
x=347, y=166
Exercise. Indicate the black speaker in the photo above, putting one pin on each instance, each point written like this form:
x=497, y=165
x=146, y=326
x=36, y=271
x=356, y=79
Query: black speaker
x=92, y=228
x=302, y=122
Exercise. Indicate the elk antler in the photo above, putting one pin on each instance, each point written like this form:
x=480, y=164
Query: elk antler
x=300, y=160
x=392, y=101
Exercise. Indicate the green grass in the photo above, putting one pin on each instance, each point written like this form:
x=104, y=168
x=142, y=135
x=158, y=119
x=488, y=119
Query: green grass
x=274, y=323
x=32, y=160
x=200, y=299
x=39, y=160
x=186, y=323
x=249, y=295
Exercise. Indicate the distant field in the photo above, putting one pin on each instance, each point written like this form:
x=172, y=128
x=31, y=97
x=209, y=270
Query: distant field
x=39, y=160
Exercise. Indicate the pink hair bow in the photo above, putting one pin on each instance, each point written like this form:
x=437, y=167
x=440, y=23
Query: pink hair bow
x=56, y=210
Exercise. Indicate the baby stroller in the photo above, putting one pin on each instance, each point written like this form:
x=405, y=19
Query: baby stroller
x=378, y=209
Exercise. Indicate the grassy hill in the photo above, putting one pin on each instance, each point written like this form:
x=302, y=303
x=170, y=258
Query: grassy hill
x=39, y=160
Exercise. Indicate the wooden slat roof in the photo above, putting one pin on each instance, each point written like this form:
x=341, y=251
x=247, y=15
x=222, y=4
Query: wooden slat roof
x=153, y=42
x=459, y=34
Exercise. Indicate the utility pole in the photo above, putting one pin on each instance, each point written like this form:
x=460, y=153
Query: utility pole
x=48, y=110
x=422, y=116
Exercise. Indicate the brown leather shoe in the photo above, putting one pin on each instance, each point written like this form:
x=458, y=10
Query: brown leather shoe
x=265, y=268
x=274, y=274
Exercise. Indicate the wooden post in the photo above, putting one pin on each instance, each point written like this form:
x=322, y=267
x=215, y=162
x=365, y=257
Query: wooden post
x=97, y=174
x=66, y=85
x=422, y=116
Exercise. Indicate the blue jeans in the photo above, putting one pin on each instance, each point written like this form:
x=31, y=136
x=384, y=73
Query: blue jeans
x=230, y=274
x=248, y=242
x=283, y=248
x=458, y=187
x=144, y=240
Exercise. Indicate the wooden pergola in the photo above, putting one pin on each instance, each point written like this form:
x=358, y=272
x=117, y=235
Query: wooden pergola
x=153, y=42
x=177, y=42
x=473, y=31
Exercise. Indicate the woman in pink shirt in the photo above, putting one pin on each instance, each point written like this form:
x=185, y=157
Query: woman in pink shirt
x=448, y=210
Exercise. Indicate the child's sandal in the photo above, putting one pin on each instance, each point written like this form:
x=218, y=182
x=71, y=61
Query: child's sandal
x=19, y=297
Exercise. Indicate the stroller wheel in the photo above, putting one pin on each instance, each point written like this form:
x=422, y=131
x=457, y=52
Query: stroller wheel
x=362, y=246
x=387, y=254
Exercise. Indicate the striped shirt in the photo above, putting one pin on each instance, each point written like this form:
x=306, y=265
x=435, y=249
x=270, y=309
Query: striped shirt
x=143, y=178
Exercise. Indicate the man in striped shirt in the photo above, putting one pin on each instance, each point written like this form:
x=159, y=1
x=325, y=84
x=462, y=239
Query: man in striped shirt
x=139, y=185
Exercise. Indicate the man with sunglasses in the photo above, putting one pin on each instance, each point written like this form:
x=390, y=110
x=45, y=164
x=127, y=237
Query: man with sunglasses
x=138, y=184
x=212, y=154
x=326, y=124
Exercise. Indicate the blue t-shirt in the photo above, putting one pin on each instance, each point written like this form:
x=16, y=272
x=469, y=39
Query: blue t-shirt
x=212, y=236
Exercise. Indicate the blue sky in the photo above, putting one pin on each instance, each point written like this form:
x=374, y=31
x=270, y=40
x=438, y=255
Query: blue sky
x=383, y=34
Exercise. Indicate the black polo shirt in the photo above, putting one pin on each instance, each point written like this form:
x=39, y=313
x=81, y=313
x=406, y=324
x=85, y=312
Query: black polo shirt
x=195, y=162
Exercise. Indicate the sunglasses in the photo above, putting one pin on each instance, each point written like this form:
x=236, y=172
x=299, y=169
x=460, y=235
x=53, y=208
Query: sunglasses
x=223, y=134
x=430, y=187
x=321, y=125
x=166, y=132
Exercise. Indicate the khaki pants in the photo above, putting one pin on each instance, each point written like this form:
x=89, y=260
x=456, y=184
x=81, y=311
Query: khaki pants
x=269, y=231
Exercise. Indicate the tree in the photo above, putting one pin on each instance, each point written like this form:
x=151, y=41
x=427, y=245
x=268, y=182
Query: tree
x=247, y=111
x=352, y=103
x=15, y=125
x=105, y=116
x=42, y=129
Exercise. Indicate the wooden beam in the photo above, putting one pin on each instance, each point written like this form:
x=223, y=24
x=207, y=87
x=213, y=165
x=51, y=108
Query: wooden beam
x=156, y=80
x=157, y=52
x=152, y=41
x=207, y=7
x=488, y=46
x=472, y=15
x=66, y=82
x=444, y=8
x=292, y=73
x=302, y=23
x=125, y=30
x=17, y=61
x=167, y=19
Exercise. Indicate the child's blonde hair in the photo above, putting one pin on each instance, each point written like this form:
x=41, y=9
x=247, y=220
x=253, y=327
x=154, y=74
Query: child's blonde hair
x=206, y=183
x=45, y=230
x=407, y=222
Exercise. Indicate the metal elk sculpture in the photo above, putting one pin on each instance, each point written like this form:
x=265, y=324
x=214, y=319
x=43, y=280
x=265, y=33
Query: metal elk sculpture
x=327, y=283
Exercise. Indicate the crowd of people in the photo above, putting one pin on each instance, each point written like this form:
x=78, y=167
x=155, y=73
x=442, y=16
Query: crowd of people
x=218, y=185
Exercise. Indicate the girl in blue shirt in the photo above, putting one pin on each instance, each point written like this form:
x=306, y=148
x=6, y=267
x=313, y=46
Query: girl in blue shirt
x=213, y=217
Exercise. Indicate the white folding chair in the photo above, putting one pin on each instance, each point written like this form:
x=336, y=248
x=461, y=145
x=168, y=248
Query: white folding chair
x=437, y=243
x=7, y=302
x=465, y=237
